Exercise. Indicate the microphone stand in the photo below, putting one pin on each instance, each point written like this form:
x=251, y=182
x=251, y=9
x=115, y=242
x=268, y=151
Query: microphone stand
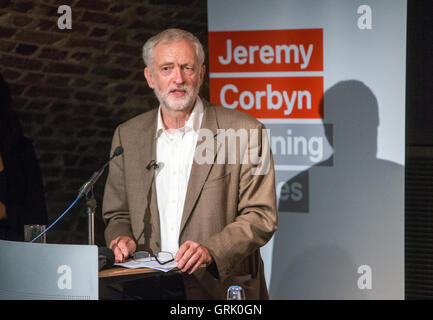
x=87, y=190
x=91, y=209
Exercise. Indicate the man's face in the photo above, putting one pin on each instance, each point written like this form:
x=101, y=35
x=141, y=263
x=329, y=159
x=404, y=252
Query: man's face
x=175, y=74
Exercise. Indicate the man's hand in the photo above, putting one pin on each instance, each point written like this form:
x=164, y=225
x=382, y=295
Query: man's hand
x=122, y=247
x=191, y=255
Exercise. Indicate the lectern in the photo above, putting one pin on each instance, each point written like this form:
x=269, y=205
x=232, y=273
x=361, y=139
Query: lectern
x=41, y=271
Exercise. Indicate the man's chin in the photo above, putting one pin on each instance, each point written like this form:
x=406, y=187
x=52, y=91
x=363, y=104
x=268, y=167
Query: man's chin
x=179, y=105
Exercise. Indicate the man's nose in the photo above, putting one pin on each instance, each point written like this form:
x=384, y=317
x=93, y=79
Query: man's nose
x=178, y=76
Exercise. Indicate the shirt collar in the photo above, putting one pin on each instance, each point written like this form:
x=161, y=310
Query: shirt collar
x=193, y=122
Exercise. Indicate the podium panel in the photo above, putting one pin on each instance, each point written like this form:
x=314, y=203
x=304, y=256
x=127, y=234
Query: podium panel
x=35, y=271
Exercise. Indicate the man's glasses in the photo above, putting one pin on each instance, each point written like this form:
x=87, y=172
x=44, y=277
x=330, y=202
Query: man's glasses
x=162, y=257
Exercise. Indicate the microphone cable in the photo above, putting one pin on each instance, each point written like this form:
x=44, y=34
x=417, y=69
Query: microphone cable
x=57, y=220
x=84, y=189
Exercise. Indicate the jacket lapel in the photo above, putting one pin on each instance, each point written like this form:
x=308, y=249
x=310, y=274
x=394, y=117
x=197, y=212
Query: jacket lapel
x=199, y=172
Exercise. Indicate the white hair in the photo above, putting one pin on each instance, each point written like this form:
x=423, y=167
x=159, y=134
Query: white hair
x=167, y=36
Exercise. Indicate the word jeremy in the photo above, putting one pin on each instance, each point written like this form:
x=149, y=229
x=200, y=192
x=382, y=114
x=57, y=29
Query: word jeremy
x=267, y=54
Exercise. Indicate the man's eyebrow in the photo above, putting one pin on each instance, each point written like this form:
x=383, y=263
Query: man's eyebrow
x=168, y=63
x=165, y=64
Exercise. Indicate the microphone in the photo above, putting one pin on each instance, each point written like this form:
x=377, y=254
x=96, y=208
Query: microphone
x=152, y=164
x=85, y=188
x=105, y=258
x=91, y=203
x=117, y=152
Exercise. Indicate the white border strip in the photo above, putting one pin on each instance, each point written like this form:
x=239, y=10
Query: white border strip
x=214, y=75
x=290, y=121
x=291, y=168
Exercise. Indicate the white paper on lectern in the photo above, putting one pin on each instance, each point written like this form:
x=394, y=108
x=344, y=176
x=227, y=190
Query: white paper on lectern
x=133, y=264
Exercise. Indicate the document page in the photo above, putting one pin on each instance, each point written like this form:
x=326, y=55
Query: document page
x=133, y=264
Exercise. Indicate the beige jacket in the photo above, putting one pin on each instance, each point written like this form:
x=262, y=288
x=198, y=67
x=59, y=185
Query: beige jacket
x=229, y=210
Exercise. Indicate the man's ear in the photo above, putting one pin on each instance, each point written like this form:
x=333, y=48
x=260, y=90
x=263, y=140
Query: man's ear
x=148, y=76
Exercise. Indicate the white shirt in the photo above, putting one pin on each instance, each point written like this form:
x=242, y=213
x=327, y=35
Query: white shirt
x=174, y=155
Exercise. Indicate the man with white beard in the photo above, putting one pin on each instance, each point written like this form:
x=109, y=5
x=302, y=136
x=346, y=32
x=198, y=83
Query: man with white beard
x=211, y=218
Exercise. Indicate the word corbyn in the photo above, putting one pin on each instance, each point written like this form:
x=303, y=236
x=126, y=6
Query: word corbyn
x=271, y=97
x=247, y=99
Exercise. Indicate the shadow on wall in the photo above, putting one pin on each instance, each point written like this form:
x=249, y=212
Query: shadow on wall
x=354, y=212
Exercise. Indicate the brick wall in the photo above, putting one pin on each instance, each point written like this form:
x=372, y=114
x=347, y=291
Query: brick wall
x=72, y=87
